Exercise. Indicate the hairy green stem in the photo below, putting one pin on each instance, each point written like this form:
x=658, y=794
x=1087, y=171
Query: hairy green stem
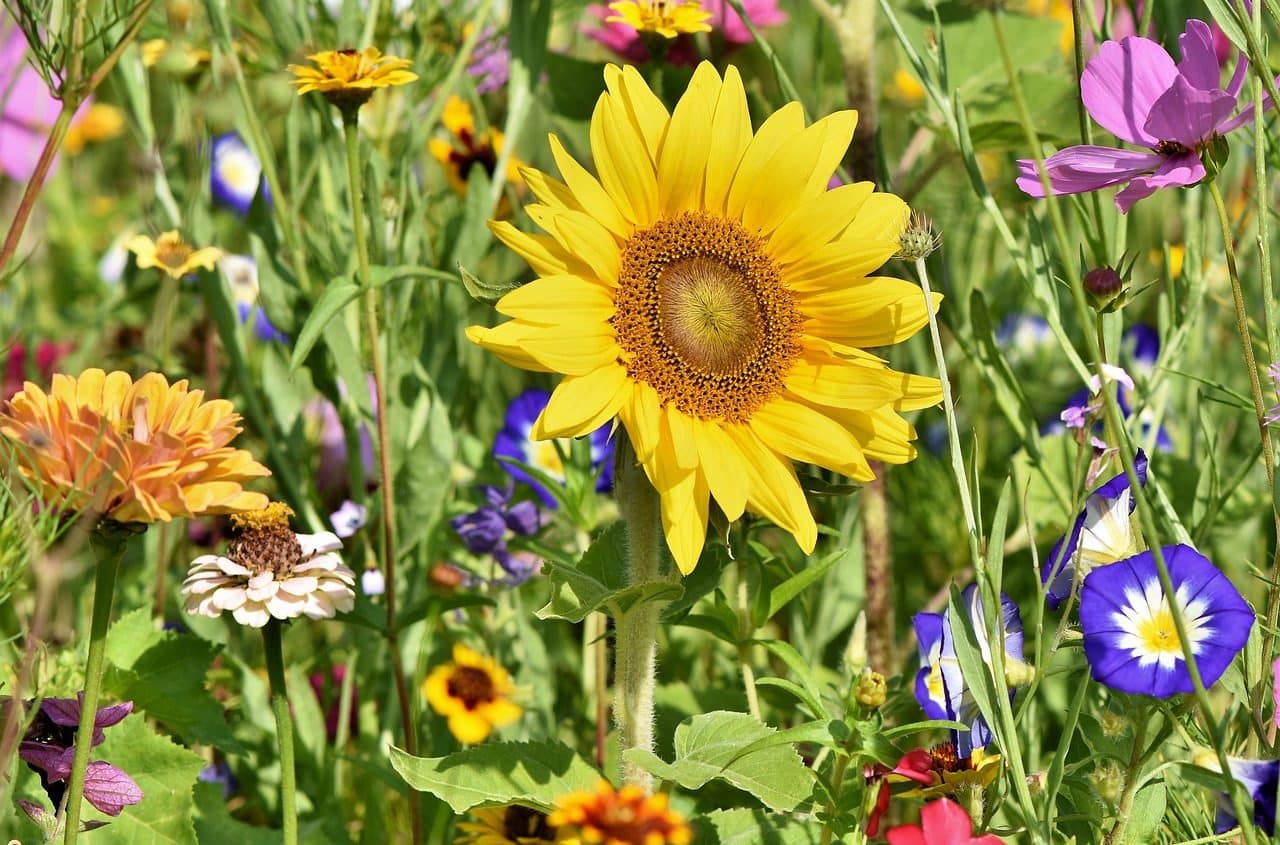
x=636, y=651
x=284, y=730
x=350, y=125
x=837, y=783
x=1131, y=781
x=746, y=632
x=109, y=542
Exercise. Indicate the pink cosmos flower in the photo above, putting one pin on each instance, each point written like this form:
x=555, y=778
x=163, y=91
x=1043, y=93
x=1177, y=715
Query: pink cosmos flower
x=628, y=44
x=1135, y=91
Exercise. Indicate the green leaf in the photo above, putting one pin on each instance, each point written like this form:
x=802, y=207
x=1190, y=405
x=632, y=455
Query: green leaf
x=1146, y=814
x=755, y=827
x=728, y=746
x=164, y=771
x=802, y=671
x=163, y=674
x=531, y=773
x=482, y=291
x=337, y=295
x=781, y=595
x=598, y=582
x=214, y=824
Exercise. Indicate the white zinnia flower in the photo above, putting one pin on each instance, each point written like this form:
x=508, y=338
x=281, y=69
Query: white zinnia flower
x=271, y=572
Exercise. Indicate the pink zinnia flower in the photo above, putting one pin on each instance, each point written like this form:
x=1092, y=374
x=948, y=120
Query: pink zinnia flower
x=628, y=44
x=1135, y=91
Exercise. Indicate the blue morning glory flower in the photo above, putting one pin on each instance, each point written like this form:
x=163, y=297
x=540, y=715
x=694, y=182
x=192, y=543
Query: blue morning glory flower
x=242, y=274
x=1102, y=534
x=1129, y=637
x=1260, y=777
x=1140, y=344
x=940, y=685
x=236, y=174
x=514, y=441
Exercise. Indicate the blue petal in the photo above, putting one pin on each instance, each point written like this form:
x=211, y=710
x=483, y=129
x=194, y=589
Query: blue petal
x=928, y=633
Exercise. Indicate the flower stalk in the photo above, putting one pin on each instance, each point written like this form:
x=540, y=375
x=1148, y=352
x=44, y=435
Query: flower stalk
x=284, y=730
x=109, y=542
x=350, y=125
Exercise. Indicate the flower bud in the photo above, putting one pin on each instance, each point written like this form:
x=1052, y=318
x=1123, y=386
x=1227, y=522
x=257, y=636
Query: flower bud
x=1103, y=283
x=1109, y=781
x=870, y=690
x=918, y=240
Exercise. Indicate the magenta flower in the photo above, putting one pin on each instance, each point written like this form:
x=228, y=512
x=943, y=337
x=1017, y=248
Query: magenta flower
x=627, y=43
x=27, y=110
x=1133, y=89
x=49, y=746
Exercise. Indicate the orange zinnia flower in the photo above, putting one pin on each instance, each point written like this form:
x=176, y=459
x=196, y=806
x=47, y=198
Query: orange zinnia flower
x=624, y=817
x=142, y=451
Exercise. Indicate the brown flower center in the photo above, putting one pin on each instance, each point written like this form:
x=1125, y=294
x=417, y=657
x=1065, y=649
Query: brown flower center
x=264, y=541
x=472, y=686
x=703, y=317
x=173, y=252
x=520, y=821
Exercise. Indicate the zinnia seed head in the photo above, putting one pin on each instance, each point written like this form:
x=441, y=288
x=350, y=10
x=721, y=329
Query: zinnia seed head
x=264, y=540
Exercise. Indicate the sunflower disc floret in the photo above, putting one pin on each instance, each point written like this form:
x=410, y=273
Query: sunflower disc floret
x=709, y=291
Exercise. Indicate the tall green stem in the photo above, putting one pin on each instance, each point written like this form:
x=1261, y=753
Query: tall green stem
x=108, y=542
x=284, y=730
x=1125, y=807
x=350, y=125
x=746, y=632
x=637, y=645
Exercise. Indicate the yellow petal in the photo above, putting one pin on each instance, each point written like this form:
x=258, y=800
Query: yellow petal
x=811, y=226
x=799, y=432
x=780, y=190
x=778, y=128
x=721, y=465
x=469, y=728
x=687, y=532
x=859, y=386
x=730, y=136
x=682, y=161
x=642, y=417
x=581, y=237
x=574, y=351
x=589, y=192
x=872, y=312
x=581, y=404
x=624, y=164
x=556, y=300
x=774, y=490
x=543, y=252
x=507, y=342
x=549, y=190
x=838, y=264
x=643, y=109
x=679, y=431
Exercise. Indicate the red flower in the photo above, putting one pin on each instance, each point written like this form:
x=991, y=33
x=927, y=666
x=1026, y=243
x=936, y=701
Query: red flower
x=915, y=766
x=942, y=822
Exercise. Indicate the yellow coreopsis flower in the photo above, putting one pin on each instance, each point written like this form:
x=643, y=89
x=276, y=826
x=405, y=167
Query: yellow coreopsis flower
x=141, y=451
x=100, y=122
x=348, y=78
x=711, y=293
x=668, y=19
x=623, y=817
x=469, y=148
x=474, y=693
x=172, y=254
x=509, y=825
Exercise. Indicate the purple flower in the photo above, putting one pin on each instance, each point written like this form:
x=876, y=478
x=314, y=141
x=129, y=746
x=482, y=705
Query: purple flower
x=1102, y=534
x=220, y=773
x=491, y=61
x=49, y=747
x=514, y=441
x=1135, y=91
x=1130, y=639
x=348, y=519
x=1260, y=778
x=482, y=530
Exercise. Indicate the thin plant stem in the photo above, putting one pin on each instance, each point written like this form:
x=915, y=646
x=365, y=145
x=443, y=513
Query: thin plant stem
x=746, y=632
x=350, y=125
x=1131, y=781
x=284, y=730
x=109, y=542
x=1114, y=419
x=837, y=783
x=635, y=655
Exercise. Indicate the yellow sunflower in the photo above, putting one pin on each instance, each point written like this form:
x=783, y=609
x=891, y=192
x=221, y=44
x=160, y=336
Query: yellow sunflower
x=473, y=693
x=509, y=825
x=623, y=817
x=668, y=19
x=349, y=77
x=469, y=149
x=172, y=254
x=711, y=293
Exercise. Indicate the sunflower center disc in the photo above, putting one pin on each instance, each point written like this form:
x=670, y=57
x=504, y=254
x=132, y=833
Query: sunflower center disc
x=471, y=685
x=703, y=317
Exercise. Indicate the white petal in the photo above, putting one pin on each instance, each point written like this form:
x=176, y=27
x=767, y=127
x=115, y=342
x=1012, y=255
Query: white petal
x=325, y=541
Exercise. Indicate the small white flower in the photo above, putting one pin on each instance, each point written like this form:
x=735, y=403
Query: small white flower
x=115, y=260
x=372, y=582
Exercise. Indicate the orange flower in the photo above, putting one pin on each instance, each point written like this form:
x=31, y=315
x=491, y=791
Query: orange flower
x=626, y=817
x=141, y=451
x=348, y=78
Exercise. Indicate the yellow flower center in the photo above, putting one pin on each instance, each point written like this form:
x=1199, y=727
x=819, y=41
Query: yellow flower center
x=1158, y=634
x=472, y=686
x=703, y=317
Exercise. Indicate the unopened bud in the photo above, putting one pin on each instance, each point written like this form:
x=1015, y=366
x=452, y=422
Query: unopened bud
x=1113, y=724
x=179, y=13
x=1109, y=781
x=870, y=690
x=1018, y=673
x=1103, y=283
x=919, y=239
x=446, y=577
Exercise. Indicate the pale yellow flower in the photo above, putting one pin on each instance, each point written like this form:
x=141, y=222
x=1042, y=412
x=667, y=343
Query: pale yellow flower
x=172, y=254
x=100, y=122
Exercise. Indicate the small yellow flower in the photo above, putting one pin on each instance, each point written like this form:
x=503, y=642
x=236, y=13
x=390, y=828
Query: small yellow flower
x=509, y=825
x=906, y=88
x=348, y=78
x=100, y=122
x=668, y=19
x=178, y=57
x=473, y=693
x=172, y=254
x=625, y=817
x=469, y=148
x=979, y=769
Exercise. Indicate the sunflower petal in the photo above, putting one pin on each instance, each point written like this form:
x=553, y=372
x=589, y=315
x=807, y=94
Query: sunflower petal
x=581, y=404
x=682, y=161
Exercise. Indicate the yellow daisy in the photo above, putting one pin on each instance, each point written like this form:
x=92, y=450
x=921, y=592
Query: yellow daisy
x=624, y=817
x=509, y=825
x=667, y=19
x=711, y=293
x=473, y=693
x=951, y=773
x=172, y=254
x=469, y=149
x=349, y=77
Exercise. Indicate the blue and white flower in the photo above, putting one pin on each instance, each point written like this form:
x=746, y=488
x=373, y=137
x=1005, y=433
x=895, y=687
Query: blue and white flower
x=349, y=518
x=1140, y=346
x=1130, y=639
x=941, y=688
x=514, y=441
x=1102, y=533
x=236, y=174
x=241, y=272
x=1260, y=778
x=1022, y=335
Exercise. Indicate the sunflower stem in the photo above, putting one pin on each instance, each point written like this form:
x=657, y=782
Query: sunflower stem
x=109, y=542
x=746, y=632
x=284, y=730
x=637, y=629
x=350, y=125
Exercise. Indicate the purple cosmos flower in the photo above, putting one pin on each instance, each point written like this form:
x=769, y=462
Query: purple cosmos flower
x=514, y=441
x=49, y=746
x=235, y=176
x=1086, y=404
x=490, y=62
x=1102, y=534
x=348, y=519
x=1135, y=91
x=940, y=686
x=1260, y=777
x=1129, y=637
